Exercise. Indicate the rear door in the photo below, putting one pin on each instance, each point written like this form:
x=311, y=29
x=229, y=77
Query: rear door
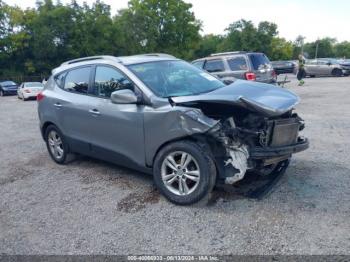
x=262, y=67
x=71, y=104
x=311, y=67
x=324, y=67
x=238, y=66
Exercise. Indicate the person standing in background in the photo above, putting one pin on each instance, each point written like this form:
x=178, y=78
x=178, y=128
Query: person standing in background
x=301, y=71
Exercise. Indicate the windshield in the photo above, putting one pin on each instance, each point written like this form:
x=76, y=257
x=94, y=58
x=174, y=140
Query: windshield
x=175, y=78
x=8, y=83
x=34, y=84
x=260, y=61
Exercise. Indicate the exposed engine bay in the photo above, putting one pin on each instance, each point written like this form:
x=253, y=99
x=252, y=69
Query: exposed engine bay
x=243, y=140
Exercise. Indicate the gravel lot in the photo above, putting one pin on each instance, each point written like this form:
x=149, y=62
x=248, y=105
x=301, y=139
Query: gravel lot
x=92, y=207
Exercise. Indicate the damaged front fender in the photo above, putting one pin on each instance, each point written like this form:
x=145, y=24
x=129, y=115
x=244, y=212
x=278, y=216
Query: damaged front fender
x=172, y=123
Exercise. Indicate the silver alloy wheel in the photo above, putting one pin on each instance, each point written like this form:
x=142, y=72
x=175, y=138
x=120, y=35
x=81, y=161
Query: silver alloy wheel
x=180, y=173
x=55, y=144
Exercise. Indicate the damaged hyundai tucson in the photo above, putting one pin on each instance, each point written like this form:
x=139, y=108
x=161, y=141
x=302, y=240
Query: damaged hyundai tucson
x=163, y=116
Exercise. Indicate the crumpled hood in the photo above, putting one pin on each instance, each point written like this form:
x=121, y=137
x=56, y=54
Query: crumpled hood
x=266, y=99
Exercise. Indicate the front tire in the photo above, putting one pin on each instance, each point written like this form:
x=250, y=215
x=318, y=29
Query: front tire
x=2, y=93
x=337, y=72
x=184, y=172
x=56, y=144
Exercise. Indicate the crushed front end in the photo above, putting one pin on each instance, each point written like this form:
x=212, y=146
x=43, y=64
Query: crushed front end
x=255, y=143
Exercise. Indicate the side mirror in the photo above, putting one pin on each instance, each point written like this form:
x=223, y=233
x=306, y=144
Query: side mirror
x=329, y=63
x=124, y=96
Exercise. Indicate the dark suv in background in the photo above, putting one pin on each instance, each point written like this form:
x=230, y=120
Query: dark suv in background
x=238, y=65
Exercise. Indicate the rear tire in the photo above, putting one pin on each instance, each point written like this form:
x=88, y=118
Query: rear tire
x=56, y=144
x=184, y=172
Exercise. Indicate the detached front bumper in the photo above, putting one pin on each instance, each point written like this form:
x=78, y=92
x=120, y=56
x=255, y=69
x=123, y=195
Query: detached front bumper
x=272, y=152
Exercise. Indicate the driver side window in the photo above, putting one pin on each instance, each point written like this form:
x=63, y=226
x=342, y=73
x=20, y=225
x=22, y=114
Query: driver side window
x=108, y=80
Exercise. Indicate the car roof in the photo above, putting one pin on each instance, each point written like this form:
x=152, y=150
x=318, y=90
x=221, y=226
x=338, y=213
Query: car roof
x=125, y=60
x=226, y=54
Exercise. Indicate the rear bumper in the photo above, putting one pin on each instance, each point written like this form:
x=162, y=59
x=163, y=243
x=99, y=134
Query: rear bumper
x=270, y=152
x=29, y=95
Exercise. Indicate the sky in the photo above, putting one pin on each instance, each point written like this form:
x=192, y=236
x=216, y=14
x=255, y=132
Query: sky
x=310, y=18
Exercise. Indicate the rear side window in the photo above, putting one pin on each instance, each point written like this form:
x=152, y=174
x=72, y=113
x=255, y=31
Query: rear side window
x=237, y=63
x=259, y=61
x=108, y=80
x=77, y=80
x=214, y=66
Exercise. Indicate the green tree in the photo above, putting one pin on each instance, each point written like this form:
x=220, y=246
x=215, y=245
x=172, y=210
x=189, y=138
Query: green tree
x=159, y=26
x=242, y=35
x=325, y=48
x=208, y=44
x=342, y=49
x=281, y=49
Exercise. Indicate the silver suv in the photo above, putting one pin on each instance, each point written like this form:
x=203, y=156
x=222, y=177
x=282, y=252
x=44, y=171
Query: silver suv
x=163, y=116
x=238, y=65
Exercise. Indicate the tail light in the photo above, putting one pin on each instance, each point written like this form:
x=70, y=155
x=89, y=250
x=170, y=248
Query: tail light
x=250, y=76
x=40, y=96
x=274, y=74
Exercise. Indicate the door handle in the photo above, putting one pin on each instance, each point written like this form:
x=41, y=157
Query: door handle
x=94, y=112
x=57, y=105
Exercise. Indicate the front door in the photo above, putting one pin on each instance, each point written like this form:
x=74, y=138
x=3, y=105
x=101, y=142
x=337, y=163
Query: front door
x=117, y=129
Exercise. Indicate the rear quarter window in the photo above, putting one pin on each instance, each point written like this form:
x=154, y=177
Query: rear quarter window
x=259, y=61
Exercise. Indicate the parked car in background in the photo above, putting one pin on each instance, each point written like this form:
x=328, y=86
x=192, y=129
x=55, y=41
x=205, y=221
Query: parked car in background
x=324, y=67
x=8, y=88
x=345, y=64
x=165, y=117
x=238, y=65
x=284, y=67
x=29, y=90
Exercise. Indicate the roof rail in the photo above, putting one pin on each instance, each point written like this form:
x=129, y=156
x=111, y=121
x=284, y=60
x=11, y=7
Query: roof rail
x=229, y=53
x=157, y=54
x=90, y=58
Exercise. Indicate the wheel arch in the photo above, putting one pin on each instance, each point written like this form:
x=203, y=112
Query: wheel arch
x=199, y=138
x=45, y=126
